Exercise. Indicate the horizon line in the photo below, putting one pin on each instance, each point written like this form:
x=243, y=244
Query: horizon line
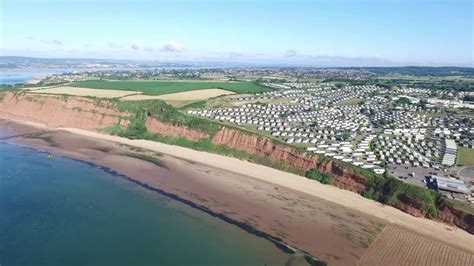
x=257, y=64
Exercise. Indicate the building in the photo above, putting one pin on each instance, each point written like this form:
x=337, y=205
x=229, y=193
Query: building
x=450, y=184
x=450, y=153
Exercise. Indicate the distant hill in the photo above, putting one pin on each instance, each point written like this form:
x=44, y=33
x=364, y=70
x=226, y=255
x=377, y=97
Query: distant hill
x=422, y=71
x=20, y=61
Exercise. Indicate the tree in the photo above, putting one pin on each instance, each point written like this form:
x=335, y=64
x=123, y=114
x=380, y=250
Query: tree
x=315, y=175
x=403, y=100
x=345, y=136
x=339, y=85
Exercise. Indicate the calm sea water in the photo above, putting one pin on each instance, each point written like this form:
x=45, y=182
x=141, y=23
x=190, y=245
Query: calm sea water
x=64, y=212
x=13, y=77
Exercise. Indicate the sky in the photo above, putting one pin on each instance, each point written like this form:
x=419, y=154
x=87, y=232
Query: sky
x=316, y=33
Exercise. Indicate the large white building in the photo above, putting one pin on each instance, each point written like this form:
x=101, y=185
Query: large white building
x=449, y=157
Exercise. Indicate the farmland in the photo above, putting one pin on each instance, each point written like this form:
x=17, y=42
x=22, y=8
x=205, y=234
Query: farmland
x=66, y=90
x=398, y=246
x=166, y=87
x=181, y=98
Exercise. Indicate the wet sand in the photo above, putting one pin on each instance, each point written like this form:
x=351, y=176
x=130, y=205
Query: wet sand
x=337, y=229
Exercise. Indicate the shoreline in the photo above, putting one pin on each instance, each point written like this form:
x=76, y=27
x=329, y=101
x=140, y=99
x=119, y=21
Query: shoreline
x=222, y=198
x=278, y=243
x=348, y=199
x=255, y=206
x=34, y=80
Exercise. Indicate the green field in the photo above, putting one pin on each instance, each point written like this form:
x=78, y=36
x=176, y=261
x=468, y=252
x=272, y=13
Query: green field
x=465, y=156
x=351, y=101
x=166, y=87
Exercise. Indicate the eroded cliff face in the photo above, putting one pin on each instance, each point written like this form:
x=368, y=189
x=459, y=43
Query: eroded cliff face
x=156, y=126
x=283, y=154
x=264, y=148
x=458, y=217
x=411, y=206
x=343, y=177
x=59, y=111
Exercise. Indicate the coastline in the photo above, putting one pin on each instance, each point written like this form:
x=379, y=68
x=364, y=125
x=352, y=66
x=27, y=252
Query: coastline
x=298, y=183
x=246, y=227
x=35, y=80
x=246, y=191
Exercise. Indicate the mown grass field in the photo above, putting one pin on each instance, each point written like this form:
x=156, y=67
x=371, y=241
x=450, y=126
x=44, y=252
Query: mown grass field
x=351, y=101
x=465, y=156
x=166, y=87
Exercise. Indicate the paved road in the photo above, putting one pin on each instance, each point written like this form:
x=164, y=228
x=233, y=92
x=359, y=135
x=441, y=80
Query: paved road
x=403, y=172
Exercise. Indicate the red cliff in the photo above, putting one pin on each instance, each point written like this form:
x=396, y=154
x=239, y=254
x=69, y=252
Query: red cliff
x=343, y=177
x=279, y=153
x=59, y=111
x=156, y=126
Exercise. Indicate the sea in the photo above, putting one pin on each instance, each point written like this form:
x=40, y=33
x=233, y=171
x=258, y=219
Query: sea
x=68, y=212
x=12, y=76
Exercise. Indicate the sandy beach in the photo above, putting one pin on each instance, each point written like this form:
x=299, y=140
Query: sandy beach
x=301, y=184
x=34, y=80
x=331, y=224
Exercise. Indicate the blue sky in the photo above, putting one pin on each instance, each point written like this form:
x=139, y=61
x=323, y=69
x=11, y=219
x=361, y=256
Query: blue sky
x=321, y=33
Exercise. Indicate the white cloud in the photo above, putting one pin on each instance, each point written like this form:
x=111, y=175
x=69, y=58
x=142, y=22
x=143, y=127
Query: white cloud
x=113, y=45
x=57, y=42
x=54, y=41
x=148, y=49
x=235, y=54
x=173, y=47
x=291, y=53
x=138, y=46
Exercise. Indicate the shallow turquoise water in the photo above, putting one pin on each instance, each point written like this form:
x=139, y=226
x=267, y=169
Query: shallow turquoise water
x=64, y=212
